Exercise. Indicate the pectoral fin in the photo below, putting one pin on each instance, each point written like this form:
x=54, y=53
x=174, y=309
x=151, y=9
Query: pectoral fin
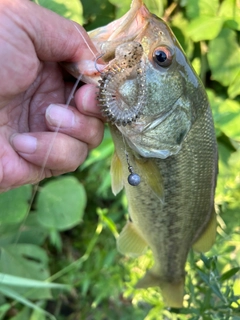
x=151, y=173
x=116, y=174
x=207, y=238
x=130, y=241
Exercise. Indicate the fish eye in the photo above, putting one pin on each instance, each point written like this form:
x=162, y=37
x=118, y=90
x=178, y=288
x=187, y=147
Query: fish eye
x=163, y=56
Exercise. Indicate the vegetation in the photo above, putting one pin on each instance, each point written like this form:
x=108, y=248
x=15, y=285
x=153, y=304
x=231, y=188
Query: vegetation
x=58, y=255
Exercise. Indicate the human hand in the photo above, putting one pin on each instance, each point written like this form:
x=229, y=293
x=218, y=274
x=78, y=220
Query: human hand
x=33, y=94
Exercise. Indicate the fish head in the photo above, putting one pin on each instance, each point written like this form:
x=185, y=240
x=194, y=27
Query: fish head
x=155, y=105
x=154, y=97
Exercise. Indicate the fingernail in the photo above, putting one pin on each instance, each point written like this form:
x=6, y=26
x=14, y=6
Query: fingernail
x=24, y=143
x=58, y=116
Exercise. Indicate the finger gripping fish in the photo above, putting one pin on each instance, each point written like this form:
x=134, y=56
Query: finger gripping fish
x=127, y=64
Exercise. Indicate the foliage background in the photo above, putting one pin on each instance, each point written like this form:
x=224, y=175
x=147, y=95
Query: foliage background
x=66, y=232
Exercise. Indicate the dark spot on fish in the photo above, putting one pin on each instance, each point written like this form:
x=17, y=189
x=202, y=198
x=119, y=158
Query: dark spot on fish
x=181, y=136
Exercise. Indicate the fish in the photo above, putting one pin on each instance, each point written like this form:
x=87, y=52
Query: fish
x=165, y=155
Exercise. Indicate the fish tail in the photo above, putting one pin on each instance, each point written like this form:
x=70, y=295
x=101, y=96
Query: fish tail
x=172, y=292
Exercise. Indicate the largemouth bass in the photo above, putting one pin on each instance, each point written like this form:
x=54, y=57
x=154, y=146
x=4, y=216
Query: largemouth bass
x=165, y=147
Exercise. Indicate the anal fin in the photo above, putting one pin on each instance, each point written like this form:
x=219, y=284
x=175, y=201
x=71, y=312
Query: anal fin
x=130, y=241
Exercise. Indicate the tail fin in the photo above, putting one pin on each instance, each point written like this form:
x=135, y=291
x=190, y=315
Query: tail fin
x=172, y=292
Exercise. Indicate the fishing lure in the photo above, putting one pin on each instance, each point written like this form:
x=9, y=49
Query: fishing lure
x=126, y=65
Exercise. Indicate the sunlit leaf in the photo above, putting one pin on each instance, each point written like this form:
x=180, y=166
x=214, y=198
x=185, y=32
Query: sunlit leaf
x=228, y=118
x=204, y=28
x=71, y=9
x=224, y=57
x=179, y=25
x=234, y=88
x=201, y=8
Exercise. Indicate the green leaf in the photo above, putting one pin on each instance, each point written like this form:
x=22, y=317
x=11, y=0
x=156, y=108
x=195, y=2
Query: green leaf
x=14, y=205
x=214, y=286
x=26, y=261
x=32, y=231
x=179, y=25
x=105, y=150
x=224, y=57
x=38, y=315
x=228, y=118
x=121, y=7
x=230, y=10
x=14, y=295
x=28, y=283
x=97, y=13
x=156, y=7
x=4, y=309
x=29, y=231
x=23, y=314
x=71, y=9
x=61, y=203
x=234, y=88
x=229, y=274
x=201, y=8
x=205, y=28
